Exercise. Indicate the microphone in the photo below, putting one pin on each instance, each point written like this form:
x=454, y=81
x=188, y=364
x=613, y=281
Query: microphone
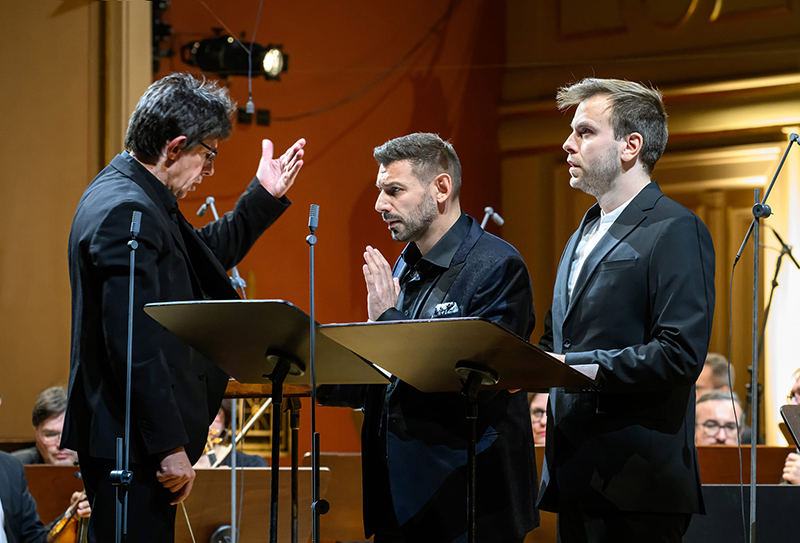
x=313, y=218
x=136, y=224
x=236, y=280
x=787, y=249
x=490, y=212
x=204, y=207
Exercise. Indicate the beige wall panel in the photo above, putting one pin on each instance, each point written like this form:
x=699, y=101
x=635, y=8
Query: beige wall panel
x=48, y=110
x=54, y=108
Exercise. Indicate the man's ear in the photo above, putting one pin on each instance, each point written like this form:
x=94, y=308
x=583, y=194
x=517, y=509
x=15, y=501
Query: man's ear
x=173, y=147
x=633, y=146
x=443, y=187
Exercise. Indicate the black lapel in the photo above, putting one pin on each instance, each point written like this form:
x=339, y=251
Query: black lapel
x=630, y=218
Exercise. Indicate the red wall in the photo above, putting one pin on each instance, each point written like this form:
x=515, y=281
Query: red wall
x=450, y=85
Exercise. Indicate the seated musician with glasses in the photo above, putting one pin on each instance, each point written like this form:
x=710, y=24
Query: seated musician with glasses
x=716, y=423
x=19, y=518
x=48, y=420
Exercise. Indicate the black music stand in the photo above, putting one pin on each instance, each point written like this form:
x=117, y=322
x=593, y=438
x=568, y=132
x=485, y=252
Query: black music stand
x=791, y=415
x=256, y=340
x=463, y=354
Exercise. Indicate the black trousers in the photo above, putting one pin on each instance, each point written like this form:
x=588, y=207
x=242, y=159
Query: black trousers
x=578, y=526
x=150, y=516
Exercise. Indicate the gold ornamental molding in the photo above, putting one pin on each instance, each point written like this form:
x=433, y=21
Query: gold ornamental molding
x=761, y=104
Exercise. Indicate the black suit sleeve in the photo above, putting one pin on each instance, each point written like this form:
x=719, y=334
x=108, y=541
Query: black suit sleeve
x=681, y=306
x=546, y=341
x=230, y=237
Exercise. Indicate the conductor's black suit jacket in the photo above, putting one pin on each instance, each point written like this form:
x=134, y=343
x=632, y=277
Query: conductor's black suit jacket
x=175, y=392
x=414, y=444
x=642, y=309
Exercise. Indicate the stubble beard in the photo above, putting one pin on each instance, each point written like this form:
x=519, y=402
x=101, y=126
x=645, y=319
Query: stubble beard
x=598, y=177
x=417, y=223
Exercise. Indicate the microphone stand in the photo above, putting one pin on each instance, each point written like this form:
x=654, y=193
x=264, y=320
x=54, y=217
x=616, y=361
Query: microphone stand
x=785, y=250
x=236, y=280
x=760, y=210
x=318, y=506
x=490, y=212
x=121, y=477
x=238, y=284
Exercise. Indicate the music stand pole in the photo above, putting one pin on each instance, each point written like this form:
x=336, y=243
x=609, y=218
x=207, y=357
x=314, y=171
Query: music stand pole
x=234, y=414
x=294, y=424
x=475, y=377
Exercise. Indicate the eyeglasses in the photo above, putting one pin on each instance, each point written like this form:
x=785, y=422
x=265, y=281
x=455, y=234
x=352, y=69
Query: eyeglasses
x=537, y=414
x=50, y=436
x=711, y=427
x=794, y=397
x=211, y=155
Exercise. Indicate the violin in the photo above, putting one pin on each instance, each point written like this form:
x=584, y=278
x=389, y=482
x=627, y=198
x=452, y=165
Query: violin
x=70, y=528
x=214, y=438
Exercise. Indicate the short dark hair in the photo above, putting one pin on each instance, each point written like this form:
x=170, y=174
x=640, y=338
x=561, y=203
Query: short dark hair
x=179, y=105
x=50, y=403
x=719, y=367
x=429, y=155
x=634, y=108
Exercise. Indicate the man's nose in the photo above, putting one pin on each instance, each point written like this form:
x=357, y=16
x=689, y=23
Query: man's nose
x=723, y=434
x=569, y=144
x=381, y=205
x=208, y=168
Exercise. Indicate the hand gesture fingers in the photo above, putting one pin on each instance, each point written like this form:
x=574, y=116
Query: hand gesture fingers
x=277, y=175
x=382, y=288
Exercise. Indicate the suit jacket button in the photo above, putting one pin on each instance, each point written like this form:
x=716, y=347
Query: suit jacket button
x=203, y=376
x=567, y=344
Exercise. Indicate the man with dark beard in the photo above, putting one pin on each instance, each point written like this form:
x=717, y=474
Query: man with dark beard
x=415, y=444
x=635, y=294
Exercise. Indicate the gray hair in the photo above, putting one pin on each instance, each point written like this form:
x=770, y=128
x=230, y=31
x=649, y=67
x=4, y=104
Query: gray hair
x=717, y=395
x=179, y=105
x=634, y=108
x=429, y=156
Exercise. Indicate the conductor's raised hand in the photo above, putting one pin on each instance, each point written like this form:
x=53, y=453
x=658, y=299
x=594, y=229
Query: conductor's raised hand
x=176, y=474
x=278, y=174
x=382, y=288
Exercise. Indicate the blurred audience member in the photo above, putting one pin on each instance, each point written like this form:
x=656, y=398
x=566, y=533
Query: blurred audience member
x=219, y=440
x=538, y=404
x=715, y=375
x=715, y=420
x=48, y=420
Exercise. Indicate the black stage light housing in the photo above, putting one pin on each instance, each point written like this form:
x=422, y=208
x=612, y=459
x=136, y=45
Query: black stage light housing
x=224, y=55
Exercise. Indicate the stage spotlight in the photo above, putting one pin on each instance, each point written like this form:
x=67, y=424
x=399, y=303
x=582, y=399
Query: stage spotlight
x=225, y=56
